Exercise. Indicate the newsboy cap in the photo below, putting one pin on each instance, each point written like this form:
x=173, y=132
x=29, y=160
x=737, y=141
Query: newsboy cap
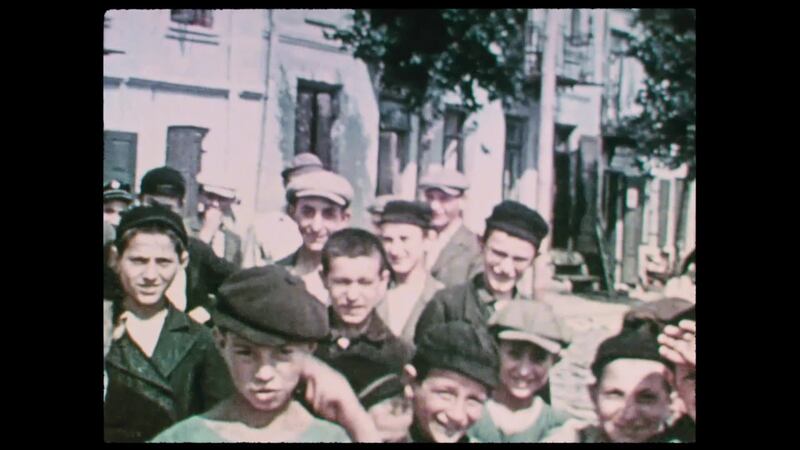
x=530, y=321
x=323, y=183
x=117, y=190
x=163, y=181
x=447, y=180
x=141, y=216
x=302, y=163
x=460, y=347
x=380, y=202
x=631, y=343
x=374, y=372
x=403, y=211
x=269, y=306
x=518, y=220
x=662, y=312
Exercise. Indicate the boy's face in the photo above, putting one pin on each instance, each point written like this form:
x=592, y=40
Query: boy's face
x=447, y=404
x=505, y=259
x=147, y=266
x=356, y=285
x=446, y=208
x=404, y=244
x=265, y=376
x=317, y=218
x=524, y=368
x=632, y=399
x=393, y=417
x=112, y=210
x=685, y=384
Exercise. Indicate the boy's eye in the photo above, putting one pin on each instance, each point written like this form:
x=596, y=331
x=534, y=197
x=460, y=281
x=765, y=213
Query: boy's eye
x=242, y=351
x=285, y=351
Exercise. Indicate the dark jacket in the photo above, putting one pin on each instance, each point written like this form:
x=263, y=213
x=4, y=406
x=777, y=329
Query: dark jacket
x=186, y=375
x=465, y=302
x=459, y=260
x=204, y=274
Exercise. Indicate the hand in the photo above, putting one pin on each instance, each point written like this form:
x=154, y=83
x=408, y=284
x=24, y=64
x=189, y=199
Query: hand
x=331, y=397
x=678, y=343
x=212, y=219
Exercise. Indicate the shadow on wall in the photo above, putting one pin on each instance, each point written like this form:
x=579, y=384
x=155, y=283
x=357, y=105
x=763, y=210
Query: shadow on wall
x=352, y=160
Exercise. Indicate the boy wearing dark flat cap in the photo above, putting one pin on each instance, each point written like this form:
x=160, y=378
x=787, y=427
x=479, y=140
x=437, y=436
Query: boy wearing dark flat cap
x=161, y=366
x=510, y=244
x=405, y=229
x=117, y=198
x=453, y=373
x=267, y=326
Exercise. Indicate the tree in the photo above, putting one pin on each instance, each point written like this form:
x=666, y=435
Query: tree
x=422, y=54
x=667, y=50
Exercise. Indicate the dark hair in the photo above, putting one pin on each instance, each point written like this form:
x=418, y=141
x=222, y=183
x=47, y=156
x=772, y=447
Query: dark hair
x=352, y=243
x=121, y=242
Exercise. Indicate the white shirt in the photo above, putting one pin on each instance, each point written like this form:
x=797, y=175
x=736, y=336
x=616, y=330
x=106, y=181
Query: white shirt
x=399, y=303
x=144, y=332
x=441, y=242
x=512, y=422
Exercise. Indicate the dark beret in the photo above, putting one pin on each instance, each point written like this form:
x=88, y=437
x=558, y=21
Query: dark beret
x=141, y=216
x=117, y=190
x=269, y=306
x=403, y=211
x=460, y=347
x=518, y=220
x=163, y=181
x=374, y=373
x=631, y=343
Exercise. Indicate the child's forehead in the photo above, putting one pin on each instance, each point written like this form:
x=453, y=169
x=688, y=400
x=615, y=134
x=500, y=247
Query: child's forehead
x=238, y=339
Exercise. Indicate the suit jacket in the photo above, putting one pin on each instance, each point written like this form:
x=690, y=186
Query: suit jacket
x=432, y=286
x=459, y=260
x=186, y=375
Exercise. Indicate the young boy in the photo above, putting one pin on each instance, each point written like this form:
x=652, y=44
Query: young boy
x=267, y=326
x=450, y=378
x=530, y=343
x=161, y=365
x=631, y=392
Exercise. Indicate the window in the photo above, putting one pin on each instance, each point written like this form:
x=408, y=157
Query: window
x=395, y=127
x=515, y=142
x=119, y=157
x=184, y=154
x=317, y=108
x=197, y=17
x=453, y=153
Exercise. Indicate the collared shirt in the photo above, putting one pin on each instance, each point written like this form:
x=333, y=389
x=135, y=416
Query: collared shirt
x=441, y=242
x=312, y=280
x=144, y=332
x=375, y=333
x=487, y=300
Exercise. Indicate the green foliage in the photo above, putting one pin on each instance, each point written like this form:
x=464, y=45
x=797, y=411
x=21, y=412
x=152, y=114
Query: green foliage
x=422, y=54
x=667, y=50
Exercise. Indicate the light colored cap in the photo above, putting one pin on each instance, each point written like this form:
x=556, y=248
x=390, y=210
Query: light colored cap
x=323, y=183
x=301, y=161
x=447, y=180
x=531, y=321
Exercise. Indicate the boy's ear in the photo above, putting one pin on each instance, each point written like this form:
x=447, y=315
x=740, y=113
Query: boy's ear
x=408, y=379
x=219, y=338
x=184, y=259
x=113, y=258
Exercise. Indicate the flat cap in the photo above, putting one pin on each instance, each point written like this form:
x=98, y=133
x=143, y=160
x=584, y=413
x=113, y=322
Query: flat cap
x=117, y=190
x=460, y=347
x=518, y=220
x=323, y=183
x=302, y=163
x=662, y=312
x=380, y=203
x=447, y=180
x=530, y=321
x=630, y=343
x=269, y=306
x=403, y=211
x=374, y=372
x=142, y=216
x=163, y=181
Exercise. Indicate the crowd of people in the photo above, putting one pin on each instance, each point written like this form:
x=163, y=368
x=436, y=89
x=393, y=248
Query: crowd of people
x=414, y=331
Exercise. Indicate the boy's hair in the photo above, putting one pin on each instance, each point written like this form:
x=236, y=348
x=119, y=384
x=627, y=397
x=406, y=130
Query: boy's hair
x=352, y=243
x=121, y=242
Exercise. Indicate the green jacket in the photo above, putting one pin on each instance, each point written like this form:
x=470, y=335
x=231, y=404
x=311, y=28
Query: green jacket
x=186, y=375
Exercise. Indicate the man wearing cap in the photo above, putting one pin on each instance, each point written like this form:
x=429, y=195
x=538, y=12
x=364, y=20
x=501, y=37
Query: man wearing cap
x=509, y=245
x=217, y=222
x=274, y=235
x=631, y=392
x=117, y=198
x=530, y=342
x=453, y=373
x=189, y=291
x=454, y=257
x=356, y=272
x=376, y=209
x=161, y=366
x=405, y=229
x=266, y=327
x=318, y=203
